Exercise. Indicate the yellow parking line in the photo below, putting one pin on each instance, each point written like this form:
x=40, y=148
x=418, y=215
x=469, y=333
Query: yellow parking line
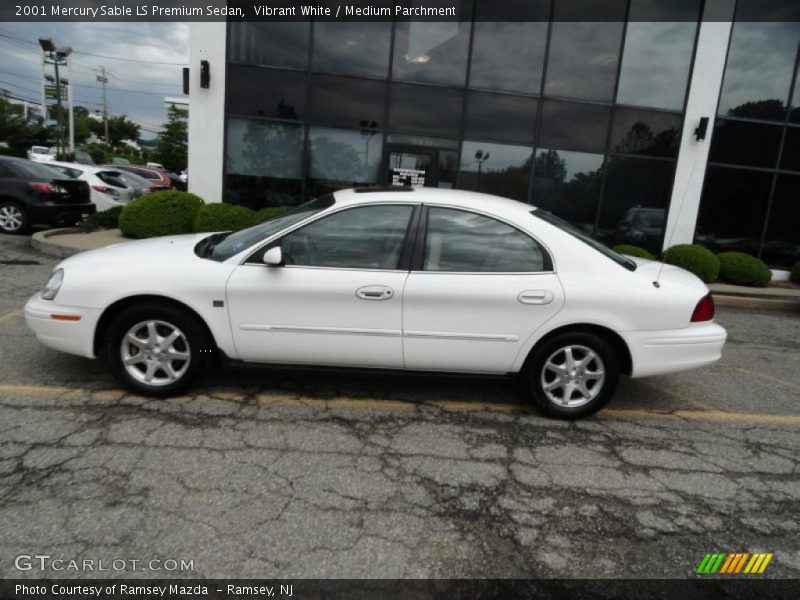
x=341, y=402
x=11, y=315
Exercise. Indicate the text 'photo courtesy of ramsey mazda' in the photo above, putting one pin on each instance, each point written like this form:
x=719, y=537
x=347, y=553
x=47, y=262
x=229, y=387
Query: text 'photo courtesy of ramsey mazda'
x=402, y=279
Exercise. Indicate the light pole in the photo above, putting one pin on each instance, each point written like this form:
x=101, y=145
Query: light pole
x=481, y=157
x=367, y=131
x=57, y=57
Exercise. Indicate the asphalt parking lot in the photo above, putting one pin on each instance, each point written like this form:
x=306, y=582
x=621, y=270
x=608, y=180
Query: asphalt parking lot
x=298, y=474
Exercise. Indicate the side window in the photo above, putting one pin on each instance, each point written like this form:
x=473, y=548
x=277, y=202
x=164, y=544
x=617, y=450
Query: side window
x=457, y=240
x=368, y=237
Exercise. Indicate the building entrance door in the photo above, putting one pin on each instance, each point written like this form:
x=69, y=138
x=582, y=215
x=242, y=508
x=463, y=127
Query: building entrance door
x=412, y=166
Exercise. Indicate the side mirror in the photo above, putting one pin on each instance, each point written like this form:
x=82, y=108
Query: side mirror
x=273, y=257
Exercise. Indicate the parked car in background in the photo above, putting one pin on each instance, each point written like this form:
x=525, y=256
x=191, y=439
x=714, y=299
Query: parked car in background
x=108, y=187
x=158, y=177
x=409, y=279
x=140, y=185
x=80, y=157
x=120, y=160
x=40, y=154
x=640, y=226
x=33, y=193
x=155, y=165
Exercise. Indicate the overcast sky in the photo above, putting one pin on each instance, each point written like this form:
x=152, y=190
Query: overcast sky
x=137, y=85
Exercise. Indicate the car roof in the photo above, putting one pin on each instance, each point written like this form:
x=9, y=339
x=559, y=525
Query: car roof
x=428, y=195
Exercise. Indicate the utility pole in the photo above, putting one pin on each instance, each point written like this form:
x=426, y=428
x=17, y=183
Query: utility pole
x=102, y=78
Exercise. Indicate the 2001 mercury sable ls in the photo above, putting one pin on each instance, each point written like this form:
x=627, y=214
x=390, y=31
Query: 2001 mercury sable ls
x=423, y=279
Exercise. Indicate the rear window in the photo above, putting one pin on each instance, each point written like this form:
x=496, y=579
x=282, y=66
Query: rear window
x=28, y=168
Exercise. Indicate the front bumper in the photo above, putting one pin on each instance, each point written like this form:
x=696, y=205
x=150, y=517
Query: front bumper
x=660, y=352
x=58, y=215
x=71, y=336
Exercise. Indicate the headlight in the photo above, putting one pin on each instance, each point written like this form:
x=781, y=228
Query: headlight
x=53, y=284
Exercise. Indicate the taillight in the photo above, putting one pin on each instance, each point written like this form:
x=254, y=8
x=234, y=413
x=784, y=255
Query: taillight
x=47, y=188
x=704, y=311
x=105, y=190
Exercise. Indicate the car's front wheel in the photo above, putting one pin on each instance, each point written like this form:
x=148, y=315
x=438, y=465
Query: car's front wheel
x=157, y=350
x=572, y=375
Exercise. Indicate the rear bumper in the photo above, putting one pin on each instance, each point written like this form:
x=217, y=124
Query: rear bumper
x=71, y=336
x=55, y=214
x=660, y=352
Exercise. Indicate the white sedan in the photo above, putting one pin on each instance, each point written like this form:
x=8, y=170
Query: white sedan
x=413, y=279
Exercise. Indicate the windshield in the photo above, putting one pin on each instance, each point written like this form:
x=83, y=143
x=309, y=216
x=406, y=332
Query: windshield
x=40, y=150
x=236, y=242
x=584, y=237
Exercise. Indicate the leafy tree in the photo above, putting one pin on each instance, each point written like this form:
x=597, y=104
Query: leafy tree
x=171, y=149
x=17, y=132
x=119, y=128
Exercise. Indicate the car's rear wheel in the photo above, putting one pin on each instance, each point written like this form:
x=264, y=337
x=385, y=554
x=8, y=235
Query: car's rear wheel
x=157, y=350
x=572, y=375
x=13, y=218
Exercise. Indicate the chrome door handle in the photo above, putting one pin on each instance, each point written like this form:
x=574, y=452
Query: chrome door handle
x=535, y=297
x=374, y=292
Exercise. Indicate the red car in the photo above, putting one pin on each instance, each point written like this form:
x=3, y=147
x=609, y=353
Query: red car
x=157, y=177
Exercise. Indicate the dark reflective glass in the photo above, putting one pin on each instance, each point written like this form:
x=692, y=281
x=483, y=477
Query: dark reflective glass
x=583, y=56
x=567, y=184
x=352, y=48
x=274, y=44
x=431, y=52
x=782, y=242
x=573, y=126
x=495, y=169
x=645, y=132
x=346, y=101
x=425, y=109
x=255, y=91
x=790, y=159
x=743, y=143
x=344, y=157
x=509, y=55
x=264, y=163
x=657, y=57
x=635, y=198
x=732, y=209
x=501, y=117
x=759, y=70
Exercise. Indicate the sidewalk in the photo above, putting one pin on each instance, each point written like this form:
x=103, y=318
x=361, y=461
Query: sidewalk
x=66, y=242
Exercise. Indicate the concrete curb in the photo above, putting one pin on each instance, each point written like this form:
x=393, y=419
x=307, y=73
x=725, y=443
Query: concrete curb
x=40, y=242
x=757, y=302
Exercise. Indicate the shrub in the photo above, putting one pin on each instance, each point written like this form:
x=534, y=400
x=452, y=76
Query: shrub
x=223, y=217
x=161, y=213
x=795, y=276
x=696, y=259
x=265, y=214
x=634, y=251
x=105, y=219
x=743, y=269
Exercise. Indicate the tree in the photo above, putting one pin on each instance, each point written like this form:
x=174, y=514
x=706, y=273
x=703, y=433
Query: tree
x=172, y=149
x=17, y=132
x=119, y=128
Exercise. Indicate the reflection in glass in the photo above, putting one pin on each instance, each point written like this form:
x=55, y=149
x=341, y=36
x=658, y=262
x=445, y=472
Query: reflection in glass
x=568, y=185
x=582, y=62
x=759, y=70
x=782, y=241
x=495, y=169
x=732, y=209
x=344, y=157
x=347, y=101
x=652, y=133
x=743, y=143
x=352, y=48
x=634, y=203
x=426, y=109
x=431, y=52
x=501, y=117
x=574, y=126
x=255, y=91
x=264, y=162
x=508, y=56
x=273, y=44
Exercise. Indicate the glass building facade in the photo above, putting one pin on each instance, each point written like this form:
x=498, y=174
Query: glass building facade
x=581, y=117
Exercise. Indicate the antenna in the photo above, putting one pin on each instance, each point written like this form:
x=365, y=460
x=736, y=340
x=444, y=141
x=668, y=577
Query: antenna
x=677, y=220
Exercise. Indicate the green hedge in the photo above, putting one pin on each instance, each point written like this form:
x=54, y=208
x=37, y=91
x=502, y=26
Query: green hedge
x=633, y=251
x=743, y=269
x=223, y=217
x=795, y=276
x=161, y=213
x=265, y=214
x=696, y=259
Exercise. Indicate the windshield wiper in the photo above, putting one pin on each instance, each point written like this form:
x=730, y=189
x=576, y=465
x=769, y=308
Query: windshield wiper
x=206, y=245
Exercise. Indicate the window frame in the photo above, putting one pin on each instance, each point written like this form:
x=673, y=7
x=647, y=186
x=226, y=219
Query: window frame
x=418, y=255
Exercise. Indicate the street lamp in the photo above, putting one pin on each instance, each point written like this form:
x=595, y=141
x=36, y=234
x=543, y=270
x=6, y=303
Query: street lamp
x=367, y=131
x=57, y=56
x=481, y=157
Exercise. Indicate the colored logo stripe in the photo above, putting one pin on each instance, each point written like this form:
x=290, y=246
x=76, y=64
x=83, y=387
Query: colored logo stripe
x=734, y=562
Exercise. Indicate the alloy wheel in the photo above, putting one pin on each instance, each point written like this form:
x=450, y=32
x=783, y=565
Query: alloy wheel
x=155, y=352
x=572, y=376
x=11, y=218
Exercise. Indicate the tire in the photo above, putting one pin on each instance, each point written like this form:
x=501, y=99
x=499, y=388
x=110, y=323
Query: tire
x=590, y=386
x=13, y=218
x=160, y=370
